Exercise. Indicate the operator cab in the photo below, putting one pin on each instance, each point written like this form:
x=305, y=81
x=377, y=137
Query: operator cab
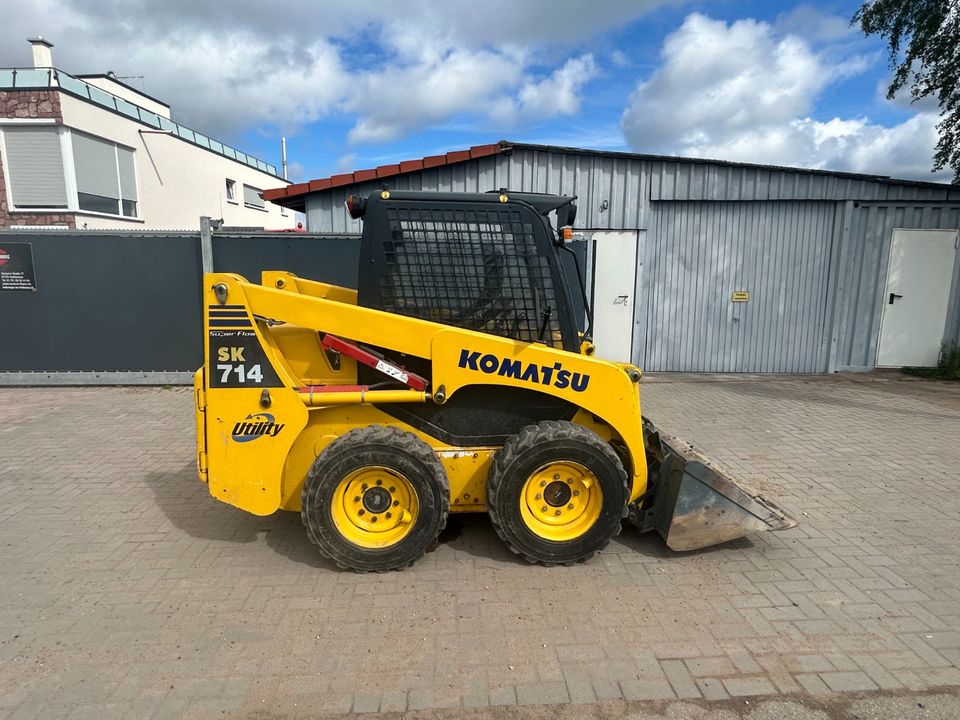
x=486, y=261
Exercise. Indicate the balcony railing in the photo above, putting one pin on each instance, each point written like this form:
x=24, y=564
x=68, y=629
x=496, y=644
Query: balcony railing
x=44, y=78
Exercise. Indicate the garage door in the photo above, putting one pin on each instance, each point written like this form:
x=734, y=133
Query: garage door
x=737, y=287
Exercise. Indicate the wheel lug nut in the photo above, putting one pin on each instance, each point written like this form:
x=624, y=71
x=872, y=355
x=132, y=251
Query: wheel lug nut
x=570, y=506
x=389, y=515
x=556, y=476
x=364, y=486
x=360, y=511
x=557, y=512
x=576, y=493
x=379, y=482
x=543, y=509
x=357, y=499
x=538, y=496
x=396, y=503
x=543, y=483
x=392, y=489
x=569, y=481
x=373, y=519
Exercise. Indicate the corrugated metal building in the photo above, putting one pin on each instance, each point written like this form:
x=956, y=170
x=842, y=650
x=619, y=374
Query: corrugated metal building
x=710, y=266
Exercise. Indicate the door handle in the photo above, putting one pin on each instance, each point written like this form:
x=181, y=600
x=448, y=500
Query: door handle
x=620, y=300
x=893, y=296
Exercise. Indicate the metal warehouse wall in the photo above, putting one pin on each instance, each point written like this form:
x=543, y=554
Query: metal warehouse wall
x=811, y=248
x=864, y=249
x=698, y=253
x=616, y=191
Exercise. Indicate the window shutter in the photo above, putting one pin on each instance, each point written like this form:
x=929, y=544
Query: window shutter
x=128, y=181
x=95, y=162
x=251, y=196
x=35, y=162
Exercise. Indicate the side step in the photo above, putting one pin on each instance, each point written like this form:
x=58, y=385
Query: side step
x=696, y=504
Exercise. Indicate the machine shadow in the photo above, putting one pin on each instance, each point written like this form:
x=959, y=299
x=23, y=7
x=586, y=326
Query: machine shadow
x=473, y=534
x=186, y=504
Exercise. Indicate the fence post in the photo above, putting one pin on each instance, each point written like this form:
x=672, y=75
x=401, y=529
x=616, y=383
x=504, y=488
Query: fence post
x=206, y=244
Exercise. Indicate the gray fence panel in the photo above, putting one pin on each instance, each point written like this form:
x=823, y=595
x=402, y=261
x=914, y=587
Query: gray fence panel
x=129, y=304
x=104, y=301
x=326, y=258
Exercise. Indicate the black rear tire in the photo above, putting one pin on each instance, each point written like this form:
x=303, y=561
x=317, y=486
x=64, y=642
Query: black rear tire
x=395, y=454
x=529, y=452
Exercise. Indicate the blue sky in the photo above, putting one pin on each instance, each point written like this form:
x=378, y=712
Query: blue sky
x=362, y=83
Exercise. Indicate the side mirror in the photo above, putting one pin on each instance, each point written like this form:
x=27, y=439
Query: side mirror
x=566, y=215
x=356, y=206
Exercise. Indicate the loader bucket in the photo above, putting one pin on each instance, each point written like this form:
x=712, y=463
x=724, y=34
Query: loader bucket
x=698, y=505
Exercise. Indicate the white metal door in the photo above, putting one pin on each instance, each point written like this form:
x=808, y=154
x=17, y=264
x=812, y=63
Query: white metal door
x=916, y=298
x=614, y=285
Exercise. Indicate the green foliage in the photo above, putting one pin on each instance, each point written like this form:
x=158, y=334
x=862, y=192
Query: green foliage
x=948, y=369
x=924, y=42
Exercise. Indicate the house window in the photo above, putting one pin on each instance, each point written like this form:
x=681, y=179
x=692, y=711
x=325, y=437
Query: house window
x=35, y=166
x=231, y=190
x=106, y=180
x=252, y=197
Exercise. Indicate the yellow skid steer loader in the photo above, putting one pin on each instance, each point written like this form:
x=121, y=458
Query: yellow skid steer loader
x=454, y=379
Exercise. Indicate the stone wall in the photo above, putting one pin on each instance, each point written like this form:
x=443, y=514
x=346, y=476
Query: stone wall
x=30, y=104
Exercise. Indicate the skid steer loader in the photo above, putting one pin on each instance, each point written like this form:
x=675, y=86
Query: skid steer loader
x=453, y=379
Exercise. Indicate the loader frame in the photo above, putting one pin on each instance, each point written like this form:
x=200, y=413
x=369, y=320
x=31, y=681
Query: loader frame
x=261, y=424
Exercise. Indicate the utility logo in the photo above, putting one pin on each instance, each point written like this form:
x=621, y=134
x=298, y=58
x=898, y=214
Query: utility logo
x=530, y=372
x=255, y=426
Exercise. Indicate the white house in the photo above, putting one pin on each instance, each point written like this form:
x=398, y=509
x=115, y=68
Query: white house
x=89, y=151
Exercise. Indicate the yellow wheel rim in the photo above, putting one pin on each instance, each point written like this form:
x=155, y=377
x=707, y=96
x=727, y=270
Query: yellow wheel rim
x=374, y=507
x=561, y=501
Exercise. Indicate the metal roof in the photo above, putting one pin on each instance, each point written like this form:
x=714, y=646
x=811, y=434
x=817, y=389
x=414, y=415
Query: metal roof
x=293, y=196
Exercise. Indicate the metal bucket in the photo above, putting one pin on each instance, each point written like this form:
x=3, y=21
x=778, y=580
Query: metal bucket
x=695, y=504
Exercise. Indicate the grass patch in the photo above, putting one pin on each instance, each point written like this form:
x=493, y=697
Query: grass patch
x=948, y=369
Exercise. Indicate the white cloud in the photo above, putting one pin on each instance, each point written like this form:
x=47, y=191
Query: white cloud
x=619, y=58
x=541, y=98
x=746, y=92
x=397, y=66
x=437, y=86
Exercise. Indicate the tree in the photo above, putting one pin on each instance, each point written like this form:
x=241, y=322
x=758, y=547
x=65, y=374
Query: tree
x=923, y=37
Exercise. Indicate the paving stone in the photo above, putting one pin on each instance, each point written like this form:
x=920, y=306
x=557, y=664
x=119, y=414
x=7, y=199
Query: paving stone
x=580, y=690
x=678, y=677
x=758, y=685
x=542, y=693
x=434, y=697
x=812, y=683
x=848, y=681
x=700, y=667
x=393, y=701
x=712, y=688
x=503, y=695
x=646, y=690
x=607, y=689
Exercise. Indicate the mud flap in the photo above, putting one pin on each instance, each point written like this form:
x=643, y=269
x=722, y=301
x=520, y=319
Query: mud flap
x=695, y=504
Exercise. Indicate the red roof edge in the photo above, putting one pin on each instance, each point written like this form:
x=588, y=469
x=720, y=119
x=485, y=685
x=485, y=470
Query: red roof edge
x=292, y=195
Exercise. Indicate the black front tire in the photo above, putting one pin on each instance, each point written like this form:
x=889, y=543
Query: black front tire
x=375, y=446
x=535, y=447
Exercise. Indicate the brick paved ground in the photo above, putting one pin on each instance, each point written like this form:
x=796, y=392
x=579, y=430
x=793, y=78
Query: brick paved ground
x=125, y=591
